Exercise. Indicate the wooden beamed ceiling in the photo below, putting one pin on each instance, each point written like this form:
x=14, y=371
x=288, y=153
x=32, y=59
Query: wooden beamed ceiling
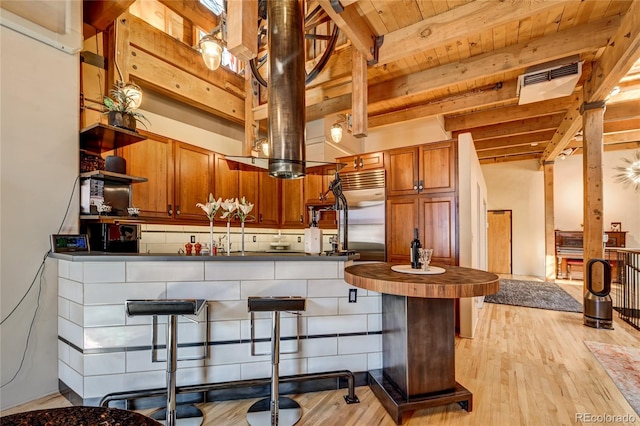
x=459, y=60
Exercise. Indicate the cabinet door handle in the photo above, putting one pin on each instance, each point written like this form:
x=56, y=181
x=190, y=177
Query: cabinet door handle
x=361, y=163
x=355, y=163
x=260, y=217
x=177, y=210
x=415, y=185
x=301, y=218
x=169, y=210
x=421, y=186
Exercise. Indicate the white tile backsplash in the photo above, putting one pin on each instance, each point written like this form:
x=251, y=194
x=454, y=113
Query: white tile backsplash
x=363, y=305
x=109, y=363
x=209, y=290
x=71, y=290
x=359, y=344
x=273, y=288
x=306, y=269
x=103, y=315
x=165, y=271
x=330, y=288
x=336, y=324
x=104, y=272
x=354, y=363
x=239, y=270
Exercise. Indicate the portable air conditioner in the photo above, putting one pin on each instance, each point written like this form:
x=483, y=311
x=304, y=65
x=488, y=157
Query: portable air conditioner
x=549, y=81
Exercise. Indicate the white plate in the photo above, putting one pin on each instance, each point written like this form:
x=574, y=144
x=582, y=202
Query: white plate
x=407, y=269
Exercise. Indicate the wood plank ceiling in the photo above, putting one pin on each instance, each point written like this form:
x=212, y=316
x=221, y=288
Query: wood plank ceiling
x=461, y=59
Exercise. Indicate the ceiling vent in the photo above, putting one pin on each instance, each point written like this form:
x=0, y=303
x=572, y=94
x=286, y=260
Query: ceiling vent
x=549, y=81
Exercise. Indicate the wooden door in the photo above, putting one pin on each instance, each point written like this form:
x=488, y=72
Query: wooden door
x=292, y=205
x=402, y=176
x=437, y=168
x=402, y=218
x=194, y=180
x=499, y=241
x=153, y=159
x=269, y=199
x=438, y=215
x=226, y=178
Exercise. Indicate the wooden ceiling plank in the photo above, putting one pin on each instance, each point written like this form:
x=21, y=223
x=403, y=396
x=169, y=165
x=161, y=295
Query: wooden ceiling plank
x=516, y=150
x=101, y=13
x=622, y=146
x=549, y=122
x=622, y=110
x=354, y=26
x=516, y=140
x=556, y=46
x=455, y=24
x=495, y=160
x=195, y=12
x=621, y=54
x=510, y=113
x=622, y=125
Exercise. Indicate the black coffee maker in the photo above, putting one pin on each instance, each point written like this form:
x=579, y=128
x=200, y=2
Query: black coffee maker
x=598, y=306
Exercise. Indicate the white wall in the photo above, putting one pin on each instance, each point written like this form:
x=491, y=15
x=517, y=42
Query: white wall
x=519, y=186
x=413, y=132
x=472, y=225
x=621, y=204
x=38, y=166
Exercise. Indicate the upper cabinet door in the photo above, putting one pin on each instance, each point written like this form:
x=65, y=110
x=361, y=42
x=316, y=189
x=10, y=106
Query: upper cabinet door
x=194, y=180
x=269, y=200
x=370, y=161
x=437, y=168
x=350, y=164
x=153, y=159
x=292, y=203
x=402, y=176
x=226, y=178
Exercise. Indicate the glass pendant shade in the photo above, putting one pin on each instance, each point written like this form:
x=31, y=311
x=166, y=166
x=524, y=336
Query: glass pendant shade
x=211, y=49
x=134, y=94
x=336, y=132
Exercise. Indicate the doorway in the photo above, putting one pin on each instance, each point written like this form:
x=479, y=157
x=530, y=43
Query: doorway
x=499, y=241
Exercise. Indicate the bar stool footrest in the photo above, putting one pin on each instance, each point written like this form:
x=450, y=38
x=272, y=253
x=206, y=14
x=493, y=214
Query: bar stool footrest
x=186, y=415
x=289, y=412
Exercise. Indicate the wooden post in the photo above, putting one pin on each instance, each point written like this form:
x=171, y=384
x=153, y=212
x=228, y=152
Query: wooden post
x=550, y=267
x=359, y=98
x=592, y=122
x=242, y=28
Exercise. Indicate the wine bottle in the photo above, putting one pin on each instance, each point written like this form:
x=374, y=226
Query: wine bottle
x=415, y=255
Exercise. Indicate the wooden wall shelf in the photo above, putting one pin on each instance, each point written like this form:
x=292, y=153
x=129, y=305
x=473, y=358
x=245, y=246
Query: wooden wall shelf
x=99, y=138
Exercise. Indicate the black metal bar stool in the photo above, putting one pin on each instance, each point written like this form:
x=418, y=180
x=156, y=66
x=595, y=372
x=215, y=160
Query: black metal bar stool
x=276, y=410
x=172, y=415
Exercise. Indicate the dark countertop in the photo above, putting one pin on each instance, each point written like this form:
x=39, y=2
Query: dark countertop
x=234, y=257
x=77, y=416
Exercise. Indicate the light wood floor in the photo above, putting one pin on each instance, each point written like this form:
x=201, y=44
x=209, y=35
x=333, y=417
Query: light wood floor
x=525, y=367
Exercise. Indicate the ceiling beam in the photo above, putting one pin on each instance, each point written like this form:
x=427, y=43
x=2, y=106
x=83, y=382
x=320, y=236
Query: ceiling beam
x=195, y=12
x=549, y=122
x=101, y=13
x=509, y=113
x=354, y=26
x=513, y=150
x=498, y=94
x=576, y=40
x=455, y=24
x=622, y=110
x=540, y=137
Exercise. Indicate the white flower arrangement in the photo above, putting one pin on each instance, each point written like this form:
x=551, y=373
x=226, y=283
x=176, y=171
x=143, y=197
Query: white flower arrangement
x=229, y=206
x=243, y=208
x=211, y=207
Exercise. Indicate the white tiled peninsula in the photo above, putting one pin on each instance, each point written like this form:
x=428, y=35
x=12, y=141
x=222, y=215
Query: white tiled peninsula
x=101, y=350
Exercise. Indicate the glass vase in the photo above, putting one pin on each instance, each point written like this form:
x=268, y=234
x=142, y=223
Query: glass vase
x=228, y=238
x=242, y=236
x=211, y=238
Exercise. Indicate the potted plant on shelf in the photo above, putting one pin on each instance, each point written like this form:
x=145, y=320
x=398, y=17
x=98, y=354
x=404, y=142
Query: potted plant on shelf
x=120, y=105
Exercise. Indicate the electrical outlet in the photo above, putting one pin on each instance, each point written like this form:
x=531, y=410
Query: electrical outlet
x=299, y=239
x=353, y=295
x=254, y=238
x=193, y=239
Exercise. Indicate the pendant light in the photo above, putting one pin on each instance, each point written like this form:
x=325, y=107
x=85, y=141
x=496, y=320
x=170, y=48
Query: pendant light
x=212, y=45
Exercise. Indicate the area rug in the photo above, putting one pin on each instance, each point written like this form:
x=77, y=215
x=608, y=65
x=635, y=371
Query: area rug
x=622, y=364
x=534, y=294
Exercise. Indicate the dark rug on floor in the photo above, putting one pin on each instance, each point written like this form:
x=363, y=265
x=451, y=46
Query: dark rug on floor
x=534, y=294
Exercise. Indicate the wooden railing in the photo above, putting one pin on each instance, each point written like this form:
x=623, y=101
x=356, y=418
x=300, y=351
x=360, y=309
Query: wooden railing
x=627, y=294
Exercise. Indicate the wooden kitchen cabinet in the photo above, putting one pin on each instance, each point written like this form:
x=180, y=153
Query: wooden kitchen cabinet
x=153, y=159
x=358, y=163
x=292, y=203
x=194, y=180
x=435, y=218
x=227, y=183
x=429, y=168
x=268, y=213
x=178, y=175
x=316, y=182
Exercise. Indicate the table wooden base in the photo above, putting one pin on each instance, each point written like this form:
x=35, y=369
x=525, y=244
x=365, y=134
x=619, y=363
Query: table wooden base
x=395, y=404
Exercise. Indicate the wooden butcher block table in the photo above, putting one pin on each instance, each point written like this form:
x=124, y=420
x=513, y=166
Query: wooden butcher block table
x=418, y=333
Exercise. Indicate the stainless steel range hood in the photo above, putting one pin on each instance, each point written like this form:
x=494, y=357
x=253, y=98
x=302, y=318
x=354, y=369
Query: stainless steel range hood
x=286, y=94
